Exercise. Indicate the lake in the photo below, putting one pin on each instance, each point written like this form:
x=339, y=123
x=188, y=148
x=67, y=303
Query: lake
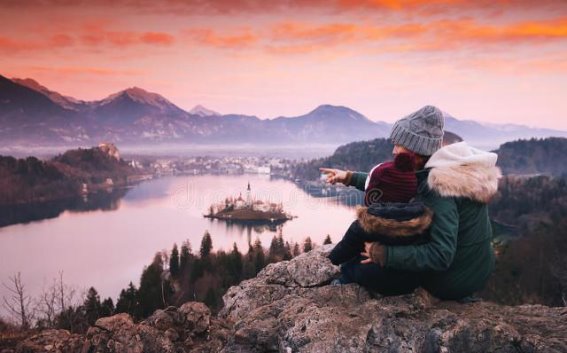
x=107, y=246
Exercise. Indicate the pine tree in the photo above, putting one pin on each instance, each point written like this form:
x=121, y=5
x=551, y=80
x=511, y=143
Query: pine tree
x=259, y=260
x=73, y=318
x=107, y=307
x=236, y=264
x=248, y=269
x=287, y=252
x=274, y=251
x=211, y=299
x=185, y=255
x=253, y=261
x=151, y=292
x=128, y=302
x=174, y=262
x=280, y=239
x=296, y=250
x=206, y=245
x=307, y=245
x=92, y=306
x=197, y=270
x=327, y=240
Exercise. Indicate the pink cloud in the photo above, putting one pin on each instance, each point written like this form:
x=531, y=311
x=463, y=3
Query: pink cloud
x=157, y=38
x=212, y=38
x=82, y=70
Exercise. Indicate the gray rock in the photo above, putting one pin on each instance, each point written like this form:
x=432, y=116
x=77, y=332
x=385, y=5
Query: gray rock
x=197, y=316
x=289, y=307
x=119, y=333
x=60, y=341
x=312, y=268
x=172, y=330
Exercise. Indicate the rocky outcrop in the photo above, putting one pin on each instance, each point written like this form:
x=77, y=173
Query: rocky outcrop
x=110, y=149
x=189, y=328
x=290, y=307
x=59, y=341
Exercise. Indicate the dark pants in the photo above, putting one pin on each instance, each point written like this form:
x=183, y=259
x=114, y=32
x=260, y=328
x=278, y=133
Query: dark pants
x=352, y=244
x=382, y=280
x=353, y=241
x=372, y=276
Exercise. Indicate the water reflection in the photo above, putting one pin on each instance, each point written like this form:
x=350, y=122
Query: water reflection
x=348, y=196
x=146, y=193
x=108, y=200
x=247, y=227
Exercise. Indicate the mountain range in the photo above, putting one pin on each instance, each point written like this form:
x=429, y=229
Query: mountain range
x=31, y=114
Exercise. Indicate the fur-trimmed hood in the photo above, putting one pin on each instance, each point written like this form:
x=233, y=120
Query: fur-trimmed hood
x=460, y=170
x=400, y=226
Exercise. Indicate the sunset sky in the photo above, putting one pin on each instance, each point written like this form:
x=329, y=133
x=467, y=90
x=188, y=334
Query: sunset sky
x=493, y=61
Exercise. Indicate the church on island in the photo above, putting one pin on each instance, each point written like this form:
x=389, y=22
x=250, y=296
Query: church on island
x=248, y=210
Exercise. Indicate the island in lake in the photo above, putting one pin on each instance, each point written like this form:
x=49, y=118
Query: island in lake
x=249, y=211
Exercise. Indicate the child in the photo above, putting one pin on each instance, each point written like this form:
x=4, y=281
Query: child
x=389, y=217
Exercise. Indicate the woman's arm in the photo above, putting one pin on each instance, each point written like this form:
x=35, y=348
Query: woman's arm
x=356, y=179
x=438, y=253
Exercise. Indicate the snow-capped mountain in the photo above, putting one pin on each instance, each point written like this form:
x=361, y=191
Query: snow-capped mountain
x=139, y=96
x=202, y=111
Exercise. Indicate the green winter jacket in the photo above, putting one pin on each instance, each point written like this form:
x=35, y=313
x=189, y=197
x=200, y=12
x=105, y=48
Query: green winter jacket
x=456, y=184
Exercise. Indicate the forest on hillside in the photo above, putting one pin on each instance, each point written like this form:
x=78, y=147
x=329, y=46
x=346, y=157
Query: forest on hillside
x=535, y=156
x=30, y=180
x=359, y=156
x=531, y=266
x=526, y=157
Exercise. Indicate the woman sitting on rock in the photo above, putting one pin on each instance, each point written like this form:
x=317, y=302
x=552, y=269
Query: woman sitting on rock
x=456, y=182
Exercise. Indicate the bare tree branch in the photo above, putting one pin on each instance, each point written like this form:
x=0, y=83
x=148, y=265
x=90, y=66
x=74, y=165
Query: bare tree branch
x=18, y=304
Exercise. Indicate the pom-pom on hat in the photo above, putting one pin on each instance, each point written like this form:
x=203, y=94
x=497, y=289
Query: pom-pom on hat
x=392, y=181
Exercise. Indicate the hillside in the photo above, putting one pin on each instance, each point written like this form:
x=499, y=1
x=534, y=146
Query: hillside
x=31, y=180
x=525, y=157
x=362, y=155
x=535, y=156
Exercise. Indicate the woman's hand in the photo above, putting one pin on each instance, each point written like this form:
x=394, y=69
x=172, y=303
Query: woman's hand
x=374, y=252
x=366, y=253
x=335, y=175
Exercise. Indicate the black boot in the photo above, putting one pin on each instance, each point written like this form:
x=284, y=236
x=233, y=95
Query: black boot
x=350, y=246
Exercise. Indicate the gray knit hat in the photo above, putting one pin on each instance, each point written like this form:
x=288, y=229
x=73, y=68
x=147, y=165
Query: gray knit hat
x=420, y=132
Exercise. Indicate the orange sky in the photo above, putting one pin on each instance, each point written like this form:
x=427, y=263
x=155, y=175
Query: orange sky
x=493, y=61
